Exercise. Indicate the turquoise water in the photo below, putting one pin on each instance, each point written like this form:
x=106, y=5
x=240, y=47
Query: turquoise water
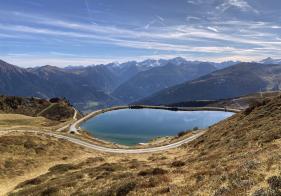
x=133, y=126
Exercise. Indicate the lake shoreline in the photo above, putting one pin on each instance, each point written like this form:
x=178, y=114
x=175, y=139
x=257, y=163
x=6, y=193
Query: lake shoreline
x=77, y=124
x=147, y=141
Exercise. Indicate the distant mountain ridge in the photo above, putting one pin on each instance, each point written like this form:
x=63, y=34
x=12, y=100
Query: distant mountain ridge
x=270, y=60
x=161, y=77
x=98, y=86
x=47, y=82
x=237, y=80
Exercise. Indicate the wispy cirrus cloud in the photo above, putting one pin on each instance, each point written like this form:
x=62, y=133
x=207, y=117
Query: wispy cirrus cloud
x=213, y=29
x=196, y=36
x=180, y=32
x=171, y=33
x=195, y=2
x=243, y=5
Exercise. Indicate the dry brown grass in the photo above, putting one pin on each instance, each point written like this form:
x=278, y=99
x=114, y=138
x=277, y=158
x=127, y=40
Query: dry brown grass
x=60, y=110
x=238, y=156
x=27, y=155
x=14, y=121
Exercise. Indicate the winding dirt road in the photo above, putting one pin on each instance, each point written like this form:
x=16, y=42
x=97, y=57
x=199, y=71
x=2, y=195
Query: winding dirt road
x=126, y=151
x=114, y=150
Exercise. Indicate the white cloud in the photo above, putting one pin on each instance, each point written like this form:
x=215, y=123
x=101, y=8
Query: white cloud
x=214, y=38
x=3, y=35
x=189, y=18
x=28, y=60
x=183, y=32
x=160, y=18
x=157, y=19
x=243, y=5
x=195, y=2
x=157, y=38
x=213, y=29
x=275, y=27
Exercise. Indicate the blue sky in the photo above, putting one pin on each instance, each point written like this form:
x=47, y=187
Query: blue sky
x=82, y=32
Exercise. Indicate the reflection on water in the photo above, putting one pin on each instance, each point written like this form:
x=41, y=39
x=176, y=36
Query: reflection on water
x=130, y=127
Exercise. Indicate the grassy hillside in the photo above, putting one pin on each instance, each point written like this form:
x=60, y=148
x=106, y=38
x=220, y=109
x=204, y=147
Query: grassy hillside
x=241, y=103
x=25, y=156
x=60, y=110
x=238, y=156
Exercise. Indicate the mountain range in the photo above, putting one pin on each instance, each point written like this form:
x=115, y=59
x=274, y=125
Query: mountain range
x=236, y=80
x=94, y=86
x=270, y=60
x=47, y=82
x=151, y=81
